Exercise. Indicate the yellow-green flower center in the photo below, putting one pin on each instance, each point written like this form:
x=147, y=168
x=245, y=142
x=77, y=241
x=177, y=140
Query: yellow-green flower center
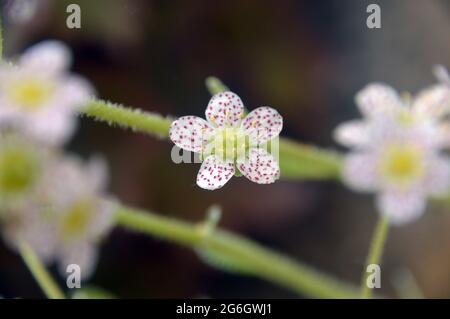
x=230, y=144
x=30, y=94
x=77, y=219
x=405, y=117
x=18, y=169
x=402, y=163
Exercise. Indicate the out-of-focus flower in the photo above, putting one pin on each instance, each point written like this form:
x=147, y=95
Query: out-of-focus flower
x=39, y=97
x=69, y=215
x=397, y=149
x=228, y=140
x=379, y=101
x=82, y=212
x=22, y=213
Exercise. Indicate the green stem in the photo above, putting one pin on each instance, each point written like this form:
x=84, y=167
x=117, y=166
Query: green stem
x=297, y=161
x=257, y=260
x=134, y=119
x=301, y=161
x=40, y=273
x=375, y=253
x=1, y=36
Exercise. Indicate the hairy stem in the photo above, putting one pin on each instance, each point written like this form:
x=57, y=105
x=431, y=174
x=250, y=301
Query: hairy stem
x=40, y=273
x=125, y=117
x=375, y=253
x=297, y=161
x=257, y=260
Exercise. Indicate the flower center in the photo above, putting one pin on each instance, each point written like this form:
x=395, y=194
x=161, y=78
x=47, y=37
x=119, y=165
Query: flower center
x=30, y=94
x=406, y=118
x=77, y=219
x=230, y=144
x=18, y=170
x=402, y=163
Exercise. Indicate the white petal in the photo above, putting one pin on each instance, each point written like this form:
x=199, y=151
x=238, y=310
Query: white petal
x=438, y=176
x=74, y=92
x=49, y=56
x=262, y=124
x=401, y=207
x=84, y=254
x=52, y=128
x=213, y=173
x=97, y=172
x=444, y=134
x=378, y=99
x=260, y=167
x=352, y=134
x=433, y=102
x=104, y=218
x=360, y=172
x=29, y=225
x=191, y=133
x=441, y=74
x=225, y=110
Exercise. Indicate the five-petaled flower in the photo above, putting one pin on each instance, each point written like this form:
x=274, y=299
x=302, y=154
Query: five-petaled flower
x=397, y=149
x=229, y=141
x=66, y=216
x=39, y=97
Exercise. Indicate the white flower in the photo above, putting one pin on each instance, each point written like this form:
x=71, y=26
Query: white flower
x=67, y=217
x=397, y=149
x=39, y=96
x=82, y=212
x=227, y=141
x=22, y=167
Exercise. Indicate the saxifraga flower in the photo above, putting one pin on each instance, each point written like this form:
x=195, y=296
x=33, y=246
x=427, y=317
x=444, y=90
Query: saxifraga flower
x=229, y=142
x=397, y=149
x=38, y=95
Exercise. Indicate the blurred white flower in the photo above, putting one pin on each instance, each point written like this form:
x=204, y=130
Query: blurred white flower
x=22, y=212
x=39, y=96
x=397, y=149
x=66, y=219
x=228, y=140
x=83, y=214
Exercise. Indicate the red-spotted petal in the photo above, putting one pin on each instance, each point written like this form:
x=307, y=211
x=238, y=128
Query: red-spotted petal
x=214, y=173
x=191, y=133
x=262, y=124
x=260, y=167
x=378, y=99
x=225, y=110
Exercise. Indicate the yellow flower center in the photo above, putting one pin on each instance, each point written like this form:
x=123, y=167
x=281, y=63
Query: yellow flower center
x=18, y=170
x=230, y=144
x=402, y=163
x=77, y=219
x=30, y=94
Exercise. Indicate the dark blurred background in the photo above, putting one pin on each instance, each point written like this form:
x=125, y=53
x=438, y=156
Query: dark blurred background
x=305, y=58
